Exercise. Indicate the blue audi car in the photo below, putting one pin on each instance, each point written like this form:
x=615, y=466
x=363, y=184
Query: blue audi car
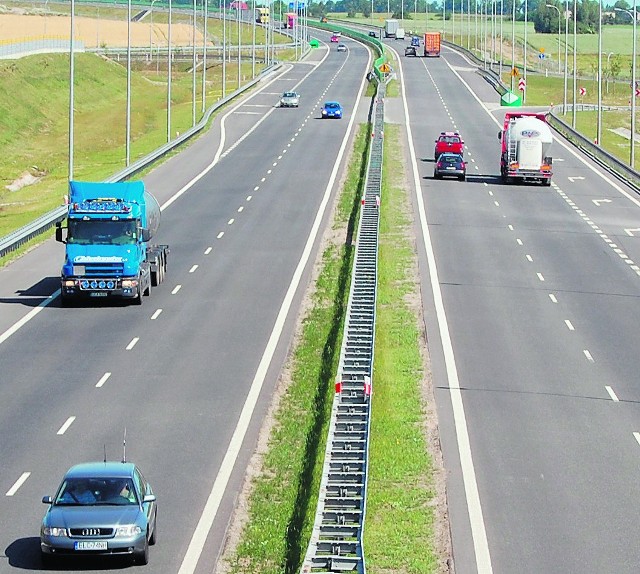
x=100, y=508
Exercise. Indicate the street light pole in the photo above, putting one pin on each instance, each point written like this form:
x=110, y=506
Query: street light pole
x=599, y=122
x=71, y=83
x=513, y=42
x=558, y=11
x=566, y=54
x=128, y=122
x=524, y=72
x=632, y=156
x=575, y=62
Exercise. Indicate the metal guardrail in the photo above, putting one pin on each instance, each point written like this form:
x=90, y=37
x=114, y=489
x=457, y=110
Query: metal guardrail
x=21, y=236
x=336, y=543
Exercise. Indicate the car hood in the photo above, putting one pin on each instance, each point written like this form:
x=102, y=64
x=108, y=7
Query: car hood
x=91, y=516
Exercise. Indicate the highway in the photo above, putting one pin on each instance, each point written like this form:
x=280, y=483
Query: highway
x=531, y=309
x=190, y=373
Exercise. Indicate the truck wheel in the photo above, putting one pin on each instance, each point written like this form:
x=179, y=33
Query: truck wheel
x=138, y=297
x=147, y=291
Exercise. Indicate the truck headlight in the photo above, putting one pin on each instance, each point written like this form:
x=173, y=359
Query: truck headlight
x=129, y=283
x=69, y=283
x=128, y=530
x=54, y=531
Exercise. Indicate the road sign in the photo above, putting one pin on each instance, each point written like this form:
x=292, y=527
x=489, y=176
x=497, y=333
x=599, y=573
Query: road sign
x=514, y=72
x=637, y=92
x=522, y=84
x=583, y=91
x=541, y=56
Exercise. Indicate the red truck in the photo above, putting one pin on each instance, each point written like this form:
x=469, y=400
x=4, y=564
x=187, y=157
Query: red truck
x=526, y=141
x=432, y=44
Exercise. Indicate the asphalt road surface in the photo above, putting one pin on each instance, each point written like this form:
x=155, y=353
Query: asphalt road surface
x=190, y=373
x=531, y=306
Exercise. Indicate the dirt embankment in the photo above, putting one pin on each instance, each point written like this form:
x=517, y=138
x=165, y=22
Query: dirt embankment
x=93, y=32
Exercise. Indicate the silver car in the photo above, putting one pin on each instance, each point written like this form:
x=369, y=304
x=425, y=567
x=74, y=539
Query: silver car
x=290, y=100
x=100, y=508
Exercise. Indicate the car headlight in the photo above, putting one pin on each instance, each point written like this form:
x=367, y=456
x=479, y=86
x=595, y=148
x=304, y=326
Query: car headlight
x=54, y=531
x=128, y=530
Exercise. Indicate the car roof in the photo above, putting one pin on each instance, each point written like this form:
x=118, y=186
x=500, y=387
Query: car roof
x=290, y=94
x=111, y=469
x=331, y=104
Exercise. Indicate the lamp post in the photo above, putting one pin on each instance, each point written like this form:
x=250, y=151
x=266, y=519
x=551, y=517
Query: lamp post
x=608, y=57
x=632, y=156
x=169, y=58
x=599, y=122
x=524, y=47
x=128, y=114
x=558, y=11
x=151, y=24
x=566, y=54
x=193, y=66
x=71, y=83
x=513, y=42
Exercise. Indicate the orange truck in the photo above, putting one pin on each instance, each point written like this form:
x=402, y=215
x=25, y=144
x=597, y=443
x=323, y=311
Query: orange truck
x=432, y=44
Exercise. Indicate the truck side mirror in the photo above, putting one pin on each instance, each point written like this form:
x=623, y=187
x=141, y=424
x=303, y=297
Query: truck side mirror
x=499, y=136
x=144, y=232
x=59, y=233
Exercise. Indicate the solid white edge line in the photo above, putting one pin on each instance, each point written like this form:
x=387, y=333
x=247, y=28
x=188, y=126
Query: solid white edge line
x=637, y=436
x=66, y=425
x=18, y=483
x=210, y=511
x=30, y=315
x=474, y=507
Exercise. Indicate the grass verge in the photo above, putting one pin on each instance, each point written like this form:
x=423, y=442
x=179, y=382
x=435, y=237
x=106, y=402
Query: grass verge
x=283, y=496
x=401, y=532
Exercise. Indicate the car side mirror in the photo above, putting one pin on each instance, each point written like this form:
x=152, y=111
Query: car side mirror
x=47, y=500
x=149, y=498
x=144, y=233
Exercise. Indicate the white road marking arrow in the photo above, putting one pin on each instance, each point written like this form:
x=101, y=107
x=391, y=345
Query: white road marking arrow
x=576, y=178
x=599, y=201
x=629, y=232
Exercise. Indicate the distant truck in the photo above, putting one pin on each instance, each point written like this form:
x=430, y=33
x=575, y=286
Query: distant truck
x=400, y=35
x=390, y=28
x=107, y=249
x=526, y=141
x=432, y=44
x=290, y=20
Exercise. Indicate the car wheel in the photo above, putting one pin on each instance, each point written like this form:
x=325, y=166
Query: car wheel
x=462, y=178
x=153, y=538
x=142, y=557
x=437, y=176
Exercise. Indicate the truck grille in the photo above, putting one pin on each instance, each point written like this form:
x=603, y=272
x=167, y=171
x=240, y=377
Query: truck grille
x=99, y=269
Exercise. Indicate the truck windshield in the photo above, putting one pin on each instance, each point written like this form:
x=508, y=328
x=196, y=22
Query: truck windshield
x=104, y=232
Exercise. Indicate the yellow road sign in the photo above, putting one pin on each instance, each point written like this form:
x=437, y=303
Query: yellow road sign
x=514, y=72
x=385, y=68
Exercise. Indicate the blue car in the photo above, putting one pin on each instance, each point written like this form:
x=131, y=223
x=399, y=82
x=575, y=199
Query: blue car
x=332, y=110
x=100, y=508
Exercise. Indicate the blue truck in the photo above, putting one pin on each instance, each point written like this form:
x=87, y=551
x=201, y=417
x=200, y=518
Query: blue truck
x=107, y=249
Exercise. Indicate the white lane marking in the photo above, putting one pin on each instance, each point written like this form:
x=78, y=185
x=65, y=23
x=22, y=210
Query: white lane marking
x=103, y=380
x=510, y=227
x=529, y=258
x=193, y=268
x=519, y=241
x=263, y=179
x=569, y=325
x=474, y=506
x=208, y=250
x=540, y=276
x=553, y=298
x=612, y=394
x=30, y=315
x=176, y=289
x=18, y=483
x=274, y=164
x=230, y=222
x=133, y=343
x=66, y=425
x=588, y=355
x=269, y=171
x=637, y=436
x=156, y=314
x=210, y=511
x=257, y=187
x=219, y=236
x=240, y=209
x=249, y=197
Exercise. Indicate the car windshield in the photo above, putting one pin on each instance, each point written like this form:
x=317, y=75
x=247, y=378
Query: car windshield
x=450, y=158
x=101, y=231
x=331, y=106
x=450, y=139
x=96, y=492
x=289, y=95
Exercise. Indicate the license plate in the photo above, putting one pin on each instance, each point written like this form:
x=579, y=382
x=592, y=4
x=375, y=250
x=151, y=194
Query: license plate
x=91, y=545
x=451, y=168
x=98, y=294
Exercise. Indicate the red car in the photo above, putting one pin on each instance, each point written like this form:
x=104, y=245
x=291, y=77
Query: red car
x=449, y=142
x=335, y=38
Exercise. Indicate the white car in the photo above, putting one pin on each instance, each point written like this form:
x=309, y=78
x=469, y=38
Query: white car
x=342, y=48
x=290, y=100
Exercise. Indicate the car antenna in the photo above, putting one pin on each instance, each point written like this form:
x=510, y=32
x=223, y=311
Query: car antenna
x=124, y=446
x=105, y=452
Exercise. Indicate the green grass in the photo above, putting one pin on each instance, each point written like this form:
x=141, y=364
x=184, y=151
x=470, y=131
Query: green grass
x=284, y=497
x=399, y=534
